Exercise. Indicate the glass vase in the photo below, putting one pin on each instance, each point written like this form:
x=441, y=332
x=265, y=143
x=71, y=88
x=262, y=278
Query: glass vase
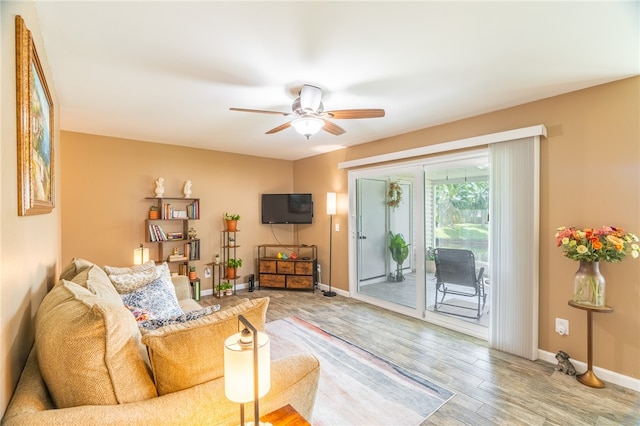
x=589, y=285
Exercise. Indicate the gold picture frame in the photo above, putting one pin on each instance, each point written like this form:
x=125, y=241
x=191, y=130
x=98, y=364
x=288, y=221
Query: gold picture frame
x=36, y=180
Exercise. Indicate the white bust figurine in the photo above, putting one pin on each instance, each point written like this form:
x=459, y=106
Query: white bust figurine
x=187, y=189
x=159, y=187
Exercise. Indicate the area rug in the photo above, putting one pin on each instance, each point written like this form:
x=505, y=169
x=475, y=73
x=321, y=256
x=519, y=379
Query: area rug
x=356, y=386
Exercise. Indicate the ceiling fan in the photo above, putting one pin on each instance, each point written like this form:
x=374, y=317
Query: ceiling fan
x=310, y=116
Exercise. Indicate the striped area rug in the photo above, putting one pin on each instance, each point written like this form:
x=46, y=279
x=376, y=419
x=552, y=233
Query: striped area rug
x=356, y=386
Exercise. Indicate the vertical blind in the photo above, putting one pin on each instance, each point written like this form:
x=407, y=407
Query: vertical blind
x=513, y=245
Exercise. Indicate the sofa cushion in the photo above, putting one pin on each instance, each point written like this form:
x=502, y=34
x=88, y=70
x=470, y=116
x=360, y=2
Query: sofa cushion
x=117, y=270
x=157, y=296
x=97, y=282
x=89, y=350
x=74, y=267
x=190, y=353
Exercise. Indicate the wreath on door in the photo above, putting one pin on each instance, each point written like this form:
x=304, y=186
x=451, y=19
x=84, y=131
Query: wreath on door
x=394, y=195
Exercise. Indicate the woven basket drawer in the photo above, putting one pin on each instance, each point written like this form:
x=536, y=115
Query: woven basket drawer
x=272, y=281
x=285, y=267
x=297, y=281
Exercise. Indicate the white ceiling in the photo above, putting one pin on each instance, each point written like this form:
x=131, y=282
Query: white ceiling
x=169, y=71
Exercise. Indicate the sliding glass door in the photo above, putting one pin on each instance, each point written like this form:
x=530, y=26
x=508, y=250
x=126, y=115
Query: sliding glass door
x=385, y=237
x=400, y=214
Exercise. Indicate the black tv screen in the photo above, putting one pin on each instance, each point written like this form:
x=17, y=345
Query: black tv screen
x=287, y=208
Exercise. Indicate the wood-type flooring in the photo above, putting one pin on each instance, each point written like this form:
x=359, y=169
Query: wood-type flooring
x=492, y=387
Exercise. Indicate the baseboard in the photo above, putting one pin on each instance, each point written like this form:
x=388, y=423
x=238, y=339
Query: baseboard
x=324, y=287
x=605, y=375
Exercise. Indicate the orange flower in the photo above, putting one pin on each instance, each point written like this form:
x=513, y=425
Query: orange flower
x=596, y=243
x=617, y=242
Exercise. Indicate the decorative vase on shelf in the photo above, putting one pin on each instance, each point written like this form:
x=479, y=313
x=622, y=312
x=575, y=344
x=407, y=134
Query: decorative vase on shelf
x=589, y=285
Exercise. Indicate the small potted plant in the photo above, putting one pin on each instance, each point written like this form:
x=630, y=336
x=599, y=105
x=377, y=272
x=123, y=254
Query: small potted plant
x=192, y=273
x=232, y=241
x=217, y=259
x=232, y=266
x=224, y=288
x=232, y=221
x=154, y=213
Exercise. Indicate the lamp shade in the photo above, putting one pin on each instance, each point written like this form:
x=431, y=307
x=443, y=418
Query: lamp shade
x=140, y=255
x=238, y=368
x=331, y=203
x=307, y=126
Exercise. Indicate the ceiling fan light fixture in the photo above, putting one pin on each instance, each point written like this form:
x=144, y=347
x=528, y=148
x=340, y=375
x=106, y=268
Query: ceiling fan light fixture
x=307, y=126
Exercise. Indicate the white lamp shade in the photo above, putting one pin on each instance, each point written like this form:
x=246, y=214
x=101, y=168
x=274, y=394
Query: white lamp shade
x=307, y=126
x=140, y=255
x=331, y=203
x=238, y=368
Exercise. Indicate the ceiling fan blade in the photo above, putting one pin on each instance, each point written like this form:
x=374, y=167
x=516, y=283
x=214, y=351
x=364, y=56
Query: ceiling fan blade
x=261, y=111
x=279, y=128
x=310, y=98
x=356, y=113
x=332, y=128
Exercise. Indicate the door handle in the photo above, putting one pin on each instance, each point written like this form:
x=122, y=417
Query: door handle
x=362, y=237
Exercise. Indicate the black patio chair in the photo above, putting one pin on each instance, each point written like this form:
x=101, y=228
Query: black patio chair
x=458, y=267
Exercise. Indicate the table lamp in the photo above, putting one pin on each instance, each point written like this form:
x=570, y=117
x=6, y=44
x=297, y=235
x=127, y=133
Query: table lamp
x=247, y=367
x=140, y=255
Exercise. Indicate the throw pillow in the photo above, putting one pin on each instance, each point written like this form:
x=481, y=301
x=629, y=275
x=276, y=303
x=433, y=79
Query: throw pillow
x=153, y=324
x=126, y=283
x=116, y=270
x=89, y=350
x=158, y=296
x=187, y=354
x=96, y=281
x=140, y=314
x=76, y=266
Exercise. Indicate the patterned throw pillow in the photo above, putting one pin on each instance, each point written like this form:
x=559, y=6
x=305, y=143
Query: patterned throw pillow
x=140, y=314
x=126, y=283
x=157, y=297
x=152, y=324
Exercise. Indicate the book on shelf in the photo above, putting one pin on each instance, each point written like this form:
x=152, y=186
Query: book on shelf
x=156, y=233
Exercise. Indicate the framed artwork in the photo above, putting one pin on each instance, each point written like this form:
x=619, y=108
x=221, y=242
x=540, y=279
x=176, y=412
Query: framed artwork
x=35, y=128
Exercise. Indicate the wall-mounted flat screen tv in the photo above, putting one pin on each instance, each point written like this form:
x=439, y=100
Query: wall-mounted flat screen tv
x=287, y=208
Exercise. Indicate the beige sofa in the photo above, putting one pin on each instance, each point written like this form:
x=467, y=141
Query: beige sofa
x=92, y=364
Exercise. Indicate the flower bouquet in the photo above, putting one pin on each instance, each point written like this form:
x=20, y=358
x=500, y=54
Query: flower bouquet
x=590, y=246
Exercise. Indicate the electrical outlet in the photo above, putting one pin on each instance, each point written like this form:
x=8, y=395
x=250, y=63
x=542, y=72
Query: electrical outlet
x=337, y=227
x=562, y=326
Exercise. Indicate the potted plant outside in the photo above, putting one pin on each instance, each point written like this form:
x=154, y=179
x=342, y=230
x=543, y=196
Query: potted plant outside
x=232, y=266
x=232, y=221
x=430, y=265
x=399, y=252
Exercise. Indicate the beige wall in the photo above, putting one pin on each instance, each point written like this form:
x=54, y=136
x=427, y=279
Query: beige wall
x=106, y=180
x=590, y=176
x=29, y=245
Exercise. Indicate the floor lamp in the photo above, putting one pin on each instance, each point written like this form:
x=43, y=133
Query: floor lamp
x=331, y=210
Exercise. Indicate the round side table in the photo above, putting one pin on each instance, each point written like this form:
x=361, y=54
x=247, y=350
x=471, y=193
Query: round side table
x=589, y=378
